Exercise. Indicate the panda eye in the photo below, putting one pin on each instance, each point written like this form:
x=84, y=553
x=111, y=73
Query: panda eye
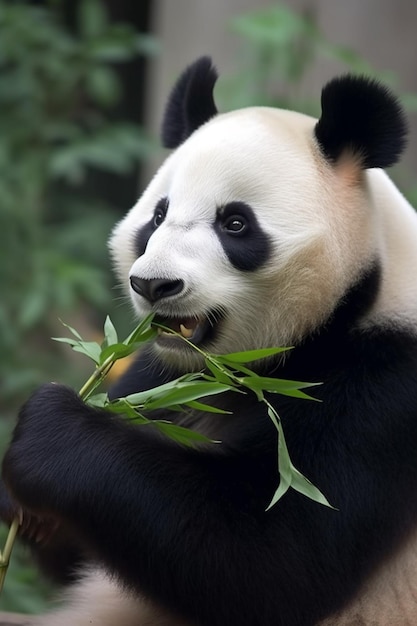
x=160, y=213
x=235, y=225
x=158, y=217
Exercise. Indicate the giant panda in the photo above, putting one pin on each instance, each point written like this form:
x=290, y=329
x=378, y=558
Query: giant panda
x=263, y=227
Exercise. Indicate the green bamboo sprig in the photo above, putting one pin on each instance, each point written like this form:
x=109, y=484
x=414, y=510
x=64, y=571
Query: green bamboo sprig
x=222, y=373
x=231, y=369
x=104, y=357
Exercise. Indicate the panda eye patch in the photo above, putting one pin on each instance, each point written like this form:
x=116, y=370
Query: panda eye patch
x=246, y=245
x=143, y=235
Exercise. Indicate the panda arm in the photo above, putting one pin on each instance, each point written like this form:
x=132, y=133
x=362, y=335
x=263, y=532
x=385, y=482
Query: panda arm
x=188, y=527
x=57, y=549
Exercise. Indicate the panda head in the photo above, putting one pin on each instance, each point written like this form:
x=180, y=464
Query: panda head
x=260, y=220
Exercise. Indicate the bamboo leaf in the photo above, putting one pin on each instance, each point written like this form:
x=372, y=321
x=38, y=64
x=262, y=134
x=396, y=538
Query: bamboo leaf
x=137, y=333
x=284, y=461
x=300, y=483
x=296, y=393
x=140, y=419
x=251, y=355
x=122, y=407
x=110, y=332
x=68, y=340
x=99, y=400
x=240, y=368
x=181, y=435
x=218, y=372
x=186, y=393
x=90, y=349
x=283, y=487
x=142, y=397
x=290, y=476
x=278, y=385
x=207, y=408
x=146, y=335
x=117, y=351
x=72, y=330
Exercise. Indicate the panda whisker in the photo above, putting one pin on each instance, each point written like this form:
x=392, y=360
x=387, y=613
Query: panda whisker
x=215, y=315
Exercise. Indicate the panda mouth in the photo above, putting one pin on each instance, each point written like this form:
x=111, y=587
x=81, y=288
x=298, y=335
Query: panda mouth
x=196, y=330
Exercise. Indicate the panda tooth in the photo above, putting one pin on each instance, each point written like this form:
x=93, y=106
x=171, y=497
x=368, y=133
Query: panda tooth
x=186, y=332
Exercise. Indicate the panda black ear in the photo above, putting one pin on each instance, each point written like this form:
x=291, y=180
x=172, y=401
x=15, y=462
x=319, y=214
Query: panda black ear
x=190, y=103
x=361, y=116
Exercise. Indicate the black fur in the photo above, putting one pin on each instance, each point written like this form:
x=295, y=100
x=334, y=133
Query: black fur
x=190, y=103
x=143, y=235
x=361, y=116
x=188, y=527
x=247, y=250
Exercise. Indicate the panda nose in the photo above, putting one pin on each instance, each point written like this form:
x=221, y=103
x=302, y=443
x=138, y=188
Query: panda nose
x=156, y=289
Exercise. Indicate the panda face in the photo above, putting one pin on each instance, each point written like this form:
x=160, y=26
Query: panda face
x=236, y=243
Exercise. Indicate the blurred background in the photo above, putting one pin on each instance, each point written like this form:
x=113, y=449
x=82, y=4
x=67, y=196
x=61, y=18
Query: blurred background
x=83, y=84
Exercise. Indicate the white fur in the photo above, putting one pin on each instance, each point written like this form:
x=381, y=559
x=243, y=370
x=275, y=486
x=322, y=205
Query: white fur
x=396, y=232
x=388, y=599
x=97, y=600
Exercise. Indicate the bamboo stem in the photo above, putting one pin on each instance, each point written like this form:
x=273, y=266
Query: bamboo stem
x=5, y=555
x=96, y=377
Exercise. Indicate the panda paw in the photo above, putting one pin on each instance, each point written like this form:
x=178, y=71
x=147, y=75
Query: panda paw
x=44, y=448
x=31, y=528
x=9, y=510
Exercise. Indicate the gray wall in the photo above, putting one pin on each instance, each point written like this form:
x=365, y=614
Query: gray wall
x=382, y=31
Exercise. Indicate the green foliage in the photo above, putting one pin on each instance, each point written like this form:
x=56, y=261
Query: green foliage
x=222, y=373
x=57, y=95
x=279, y=48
